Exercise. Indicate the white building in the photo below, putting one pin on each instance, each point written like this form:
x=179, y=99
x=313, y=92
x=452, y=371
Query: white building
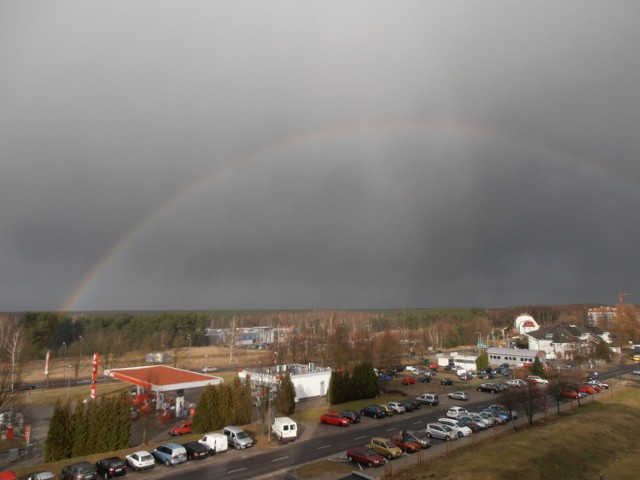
x=308, y=380
x=525, y=323
x=515, y=357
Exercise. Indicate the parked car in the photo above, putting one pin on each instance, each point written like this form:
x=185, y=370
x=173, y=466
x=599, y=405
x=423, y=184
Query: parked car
x=438, y=430
x=537, y=379
x=518, y=382
x=504, y=409
x=181, y=428
x=408, y=381
x=170, y=454
x=418, y=438
x=503, y=414
x=34, y=476
x=397, y=407
x=196, y=450
x=214, y=443
x=352, y=415
x=480, y=420
x=8, y=475
x=585, y=388
x=472, y=424
x=365, y=456
x=209, y=369
x=79, y=471
x=385, y=447
x=411, y=369
x=458, y=427
x=446, y=381
x=431, y=399
x=374, y=411
x=425, y=378
x=111, y=467
x=410, y=405
x=458, y=395
x=237, y=437
x=334, y=418
x=570, y=393
x=284, y=429
x=140, y=460
x=455, y=412
x=635, y=372
x=493, y=417
x=406, y=443
x=488, y=387
x=604, y=386
x=385, y=377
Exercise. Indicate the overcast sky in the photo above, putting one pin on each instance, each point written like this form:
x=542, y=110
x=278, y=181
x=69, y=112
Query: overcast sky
x=292, y=155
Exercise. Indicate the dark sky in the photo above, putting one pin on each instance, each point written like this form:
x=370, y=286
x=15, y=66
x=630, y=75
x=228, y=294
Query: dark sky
x=286, y=155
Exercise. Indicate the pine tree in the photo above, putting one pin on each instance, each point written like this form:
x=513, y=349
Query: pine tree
x=285, y=399
x=59, y=436
x=202, y=418
x=80, y=431
x=365, y=383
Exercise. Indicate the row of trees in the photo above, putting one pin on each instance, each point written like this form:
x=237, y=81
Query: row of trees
x=220, y=405
x=91, y=427
x=345, y=386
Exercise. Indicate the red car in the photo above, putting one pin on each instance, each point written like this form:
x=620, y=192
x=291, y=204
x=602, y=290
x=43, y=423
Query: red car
x=334, y=418
x=181, y=428
x=408, y=381
x=365, y=456
x=565, y=392
x=587, y=389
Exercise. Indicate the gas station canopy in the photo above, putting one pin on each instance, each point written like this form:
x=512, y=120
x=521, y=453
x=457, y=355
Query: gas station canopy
x=162, y=378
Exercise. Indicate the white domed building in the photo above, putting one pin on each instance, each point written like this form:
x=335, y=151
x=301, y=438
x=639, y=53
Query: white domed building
x=525, y=323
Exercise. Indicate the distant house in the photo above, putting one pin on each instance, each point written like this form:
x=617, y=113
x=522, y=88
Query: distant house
x=601, y=316
x=561, y=340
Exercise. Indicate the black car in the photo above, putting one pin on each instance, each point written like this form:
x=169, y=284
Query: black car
x=79, y=471
x=488, y=387
x=111, y=467
x=374, y=411
x=424, y=378
x=352, y=415
x=196, y=450
x=410, y=405
x=446, y=381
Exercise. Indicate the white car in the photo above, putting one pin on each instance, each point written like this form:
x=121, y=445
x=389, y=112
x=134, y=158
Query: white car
x=537, y=379
x=458, y=395
x=411, y=369
x=441, y=431
x=604, y=386
x=493, y=417
x=397, y=407
x=140, y=460
x=209, y=369
x=458, y=427
x=455, y=412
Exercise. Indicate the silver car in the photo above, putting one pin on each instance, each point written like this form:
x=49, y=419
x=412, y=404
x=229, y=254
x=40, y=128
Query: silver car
x=438, y=430
x=458, y=395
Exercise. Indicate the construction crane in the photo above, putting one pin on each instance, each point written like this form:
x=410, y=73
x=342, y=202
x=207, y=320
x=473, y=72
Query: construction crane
x=621, y=296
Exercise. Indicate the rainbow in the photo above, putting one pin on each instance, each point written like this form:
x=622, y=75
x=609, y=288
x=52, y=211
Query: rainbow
x=309, y=138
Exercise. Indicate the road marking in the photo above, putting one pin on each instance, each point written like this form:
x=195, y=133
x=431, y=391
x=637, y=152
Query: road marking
x=361, y=436
x=324, y=446
x=278, y=459
x=418, y=422
x=237, y=470
x=390, y=429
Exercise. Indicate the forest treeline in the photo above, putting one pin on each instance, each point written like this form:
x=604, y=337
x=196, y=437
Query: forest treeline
x=113, y=333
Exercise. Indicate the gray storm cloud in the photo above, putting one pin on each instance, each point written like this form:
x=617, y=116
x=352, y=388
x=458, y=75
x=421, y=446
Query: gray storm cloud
x=334, y=155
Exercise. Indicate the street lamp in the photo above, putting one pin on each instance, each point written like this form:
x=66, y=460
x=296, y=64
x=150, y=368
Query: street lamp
x=68, y=379
x=64, y=344
x=189, y=337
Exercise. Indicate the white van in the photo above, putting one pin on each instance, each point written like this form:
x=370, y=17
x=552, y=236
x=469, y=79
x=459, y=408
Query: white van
x=284, y=429
x=215, y=442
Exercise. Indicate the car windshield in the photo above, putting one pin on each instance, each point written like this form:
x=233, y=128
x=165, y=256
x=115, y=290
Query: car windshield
x=389, y=444
x=241, y=436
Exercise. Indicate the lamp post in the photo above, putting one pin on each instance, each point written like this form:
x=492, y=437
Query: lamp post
x=189, y=337
x=68, y=379
x=64, y=344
